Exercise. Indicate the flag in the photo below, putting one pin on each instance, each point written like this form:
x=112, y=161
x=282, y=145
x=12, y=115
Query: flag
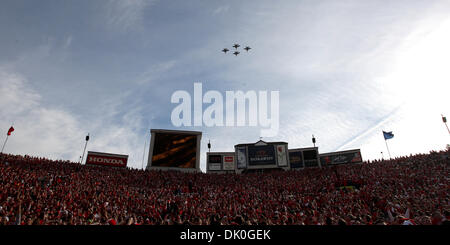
x=11, y=129
x=388, y=135
x=444, y=119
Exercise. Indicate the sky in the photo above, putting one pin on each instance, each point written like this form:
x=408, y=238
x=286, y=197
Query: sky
x=345, y=70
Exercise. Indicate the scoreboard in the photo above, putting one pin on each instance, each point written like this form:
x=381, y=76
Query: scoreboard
x=296, y=159
x=304, y=157
x=174, y=149
x=220, y=162
x=311, y=158
x=262, y=155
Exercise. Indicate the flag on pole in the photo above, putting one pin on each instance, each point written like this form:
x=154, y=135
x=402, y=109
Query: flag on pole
x=444, y=119
x=11, y=129
x=388, y=135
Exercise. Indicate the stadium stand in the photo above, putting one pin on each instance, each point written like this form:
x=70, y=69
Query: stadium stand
x=405, y=190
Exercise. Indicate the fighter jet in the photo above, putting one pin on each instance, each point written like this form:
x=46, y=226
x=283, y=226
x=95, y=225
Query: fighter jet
x=225, y=50
x=247, y=48
x=236, y=46
x=236, y=53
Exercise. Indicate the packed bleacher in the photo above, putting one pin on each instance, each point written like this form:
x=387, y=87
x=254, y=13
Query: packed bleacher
x=410, y=190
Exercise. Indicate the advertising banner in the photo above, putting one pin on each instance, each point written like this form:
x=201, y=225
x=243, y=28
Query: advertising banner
x=282, y=156
x=228, y=162
x=241, y=158
x=106, y=159
x=342, y=158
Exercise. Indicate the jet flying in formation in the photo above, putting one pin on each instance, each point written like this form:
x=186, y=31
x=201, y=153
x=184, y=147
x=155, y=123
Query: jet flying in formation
x=236, y=46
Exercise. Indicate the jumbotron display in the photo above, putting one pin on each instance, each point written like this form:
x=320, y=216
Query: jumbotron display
x=174, y=149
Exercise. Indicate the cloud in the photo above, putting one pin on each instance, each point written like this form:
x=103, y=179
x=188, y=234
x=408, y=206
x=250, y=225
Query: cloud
x=221, y=9
x=123, y=15
x=155, y=72
x=67, y=42
x=53, y=132
x=39, y=130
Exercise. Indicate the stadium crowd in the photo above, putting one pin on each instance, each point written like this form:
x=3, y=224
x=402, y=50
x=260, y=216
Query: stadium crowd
x=406, y=190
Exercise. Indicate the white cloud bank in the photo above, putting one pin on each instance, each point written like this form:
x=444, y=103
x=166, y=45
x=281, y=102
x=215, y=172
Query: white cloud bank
x=53, y=132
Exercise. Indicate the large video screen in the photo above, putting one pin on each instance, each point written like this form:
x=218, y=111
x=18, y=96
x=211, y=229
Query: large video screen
x=174, y=150
x=261, y=155
x=310, y=158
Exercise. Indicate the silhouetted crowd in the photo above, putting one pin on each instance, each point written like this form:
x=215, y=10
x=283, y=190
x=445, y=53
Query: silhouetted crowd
x=411, y=190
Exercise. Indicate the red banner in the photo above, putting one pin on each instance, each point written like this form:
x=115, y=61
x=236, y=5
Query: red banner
x=229, y=159
x=106, y=159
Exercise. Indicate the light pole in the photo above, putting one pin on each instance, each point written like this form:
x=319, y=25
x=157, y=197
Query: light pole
x=444, y=119
x=85, y=145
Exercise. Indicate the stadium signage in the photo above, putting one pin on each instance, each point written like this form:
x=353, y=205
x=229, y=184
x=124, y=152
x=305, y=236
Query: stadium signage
x=174, y=149
x=295, y=158
x=220, y=161
x=344, y=157
x=229, y=159
x=241, y=157
x=228, y=163
x=106, y=159
x=258, y=110
x=215, y=158
x=261, y=155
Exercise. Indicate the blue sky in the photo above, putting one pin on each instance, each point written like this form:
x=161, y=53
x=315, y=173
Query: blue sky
x=345, y=71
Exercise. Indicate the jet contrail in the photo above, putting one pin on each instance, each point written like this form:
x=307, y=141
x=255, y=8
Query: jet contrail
x=371, y=129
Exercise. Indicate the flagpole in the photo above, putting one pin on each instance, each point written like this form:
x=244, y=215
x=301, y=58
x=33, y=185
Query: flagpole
x=6, y=140
x=385, y=141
